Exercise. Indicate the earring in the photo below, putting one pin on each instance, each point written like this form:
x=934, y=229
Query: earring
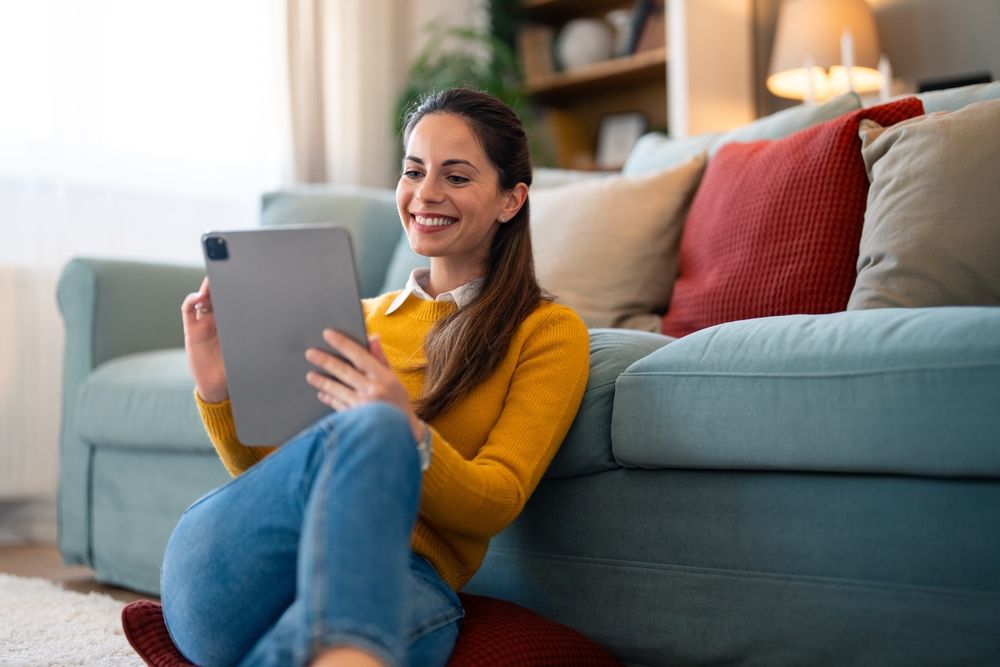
x=502, y=219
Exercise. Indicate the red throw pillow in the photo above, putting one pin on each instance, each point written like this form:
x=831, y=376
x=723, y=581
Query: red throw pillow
x=775, y=225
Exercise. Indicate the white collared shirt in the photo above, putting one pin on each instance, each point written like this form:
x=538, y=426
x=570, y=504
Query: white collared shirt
x=415, y=286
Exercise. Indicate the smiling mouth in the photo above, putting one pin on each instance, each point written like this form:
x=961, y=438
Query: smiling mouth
x=433, y=221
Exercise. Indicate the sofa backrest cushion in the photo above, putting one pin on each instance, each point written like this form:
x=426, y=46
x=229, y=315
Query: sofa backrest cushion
x=587, y=447
x=932, y=225
x=656, y=151
x=953, y=99
x=369, y=214
x=608, y=248
x=403, y=261
x=774, y=226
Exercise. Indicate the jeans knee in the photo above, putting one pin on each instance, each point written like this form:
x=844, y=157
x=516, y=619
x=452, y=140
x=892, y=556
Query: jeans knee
x=375, y=429
x=379, y=414
x=375, y=418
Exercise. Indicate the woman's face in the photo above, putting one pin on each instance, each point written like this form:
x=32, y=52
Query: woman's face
x=448, y=195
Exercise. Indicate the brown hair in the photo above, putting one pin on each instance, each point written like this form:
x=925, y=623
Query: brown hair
x=463, y=348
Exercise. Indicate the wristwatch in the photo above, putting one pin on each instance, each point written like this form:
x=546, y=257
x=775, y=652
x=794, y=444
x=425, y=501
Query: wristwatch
x=424, y=447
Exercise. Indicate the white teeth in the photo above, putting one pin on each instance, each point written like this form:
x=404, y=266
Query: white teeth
x=433, y=222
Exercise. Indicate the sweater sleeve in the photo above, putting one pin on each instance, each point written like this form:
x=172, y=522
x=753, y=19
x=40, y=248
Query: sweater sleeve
x=221, y=428
x=480, y=497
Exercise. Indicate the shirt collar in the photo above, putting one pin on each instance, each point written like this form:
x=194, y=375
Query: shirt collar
x=461, y=296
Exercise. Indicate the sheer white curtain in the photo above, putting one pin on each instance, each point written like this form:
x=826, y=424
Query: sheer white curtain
x=364, y=63
x=127, y=128
x=348, y=61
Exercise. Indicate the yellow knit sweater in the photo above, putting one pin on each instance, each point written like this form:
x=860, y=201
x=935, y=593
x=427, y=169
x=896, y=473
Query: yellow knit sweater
x=491, y=449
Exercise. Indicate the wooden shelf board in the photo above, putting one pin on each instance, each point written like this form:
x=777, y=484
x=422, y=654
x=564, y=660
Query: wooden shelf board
x=561, y=10
x=609, y=73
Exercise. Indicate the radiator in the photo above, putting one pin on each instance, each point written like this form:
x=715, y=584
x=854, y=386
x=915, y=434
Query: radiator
x=45, y=228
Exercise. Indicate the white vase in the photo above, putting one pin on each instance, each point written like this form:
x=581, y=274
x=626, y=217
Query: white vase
x=621, y=21
x=583, y=42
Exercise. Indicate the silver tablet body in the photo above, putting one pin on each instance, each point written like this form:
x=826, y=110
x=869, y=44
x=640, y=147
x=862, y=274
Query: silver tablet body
x=274, y=290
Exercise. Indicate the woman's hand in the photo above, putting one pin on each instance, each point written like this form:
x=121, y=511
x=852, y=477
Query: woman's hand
x=201, y=341
x=367, y=377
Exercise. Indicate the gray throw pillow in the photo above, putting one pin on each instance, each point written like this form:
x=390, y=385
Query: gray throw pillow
x=932, y=225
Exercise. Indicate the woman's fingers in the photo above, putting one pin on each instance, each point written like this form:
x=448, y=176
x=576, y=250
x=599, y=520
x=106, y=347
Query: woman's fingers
x=355, y=353
x=338, y=368
x=205, y=305
x=334, y=393
x=361, y=376
x=197, y=305
x=331, y=401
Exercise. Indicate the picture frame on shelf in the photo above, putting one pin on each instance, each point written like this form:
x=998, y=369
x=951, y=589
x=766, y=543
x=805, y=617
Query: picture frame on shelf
x=616, y=136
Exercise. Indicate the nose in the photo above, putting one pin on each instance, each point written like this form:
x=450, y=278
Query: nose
x=428, y=190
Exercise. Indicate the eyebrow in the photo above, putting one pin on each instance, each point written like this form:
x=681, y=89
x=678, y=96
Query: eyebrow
x=446, y=163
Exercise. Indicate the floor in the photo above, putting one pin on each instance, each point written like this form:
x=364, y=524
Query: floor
x=43, y=560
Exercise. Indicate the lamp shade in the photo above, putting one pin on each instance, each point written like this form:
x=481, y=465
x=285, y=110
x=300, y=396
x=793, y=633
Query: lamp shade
x=811, y=33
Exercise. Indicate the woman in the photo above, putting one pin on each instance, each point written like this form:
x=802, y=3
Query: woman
x=346, y=546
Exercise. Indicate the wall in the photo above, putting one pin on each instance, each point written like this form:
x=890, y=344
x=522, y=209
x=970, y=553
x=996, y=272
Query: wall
x=928, y=39
x=924, y=39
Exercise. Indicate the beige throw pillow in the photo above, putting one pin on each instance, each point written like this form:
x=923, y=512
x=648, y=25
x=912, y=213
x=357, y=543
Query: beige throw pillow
x=608, y=248
x=932, y=225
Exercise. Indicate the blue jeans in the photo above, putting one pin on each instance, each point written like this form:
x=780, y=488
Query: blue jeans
x=310, y=549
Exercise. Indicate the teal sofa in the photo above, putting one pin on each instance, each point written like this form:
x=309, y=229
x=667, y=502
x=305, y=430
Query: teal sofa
x=805, y=489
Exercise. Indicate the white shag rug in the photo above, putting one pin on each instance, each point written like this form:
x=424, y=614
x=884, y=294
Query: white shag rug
x=42, y=624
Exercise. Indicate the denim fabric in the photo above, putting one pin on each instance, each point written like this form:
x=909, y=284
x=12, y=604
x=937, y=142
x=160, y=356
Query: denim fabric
x=310, y=549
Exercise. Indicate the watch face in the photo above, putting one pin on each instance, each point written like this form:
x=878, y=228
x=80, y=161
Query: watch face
x=424, y=448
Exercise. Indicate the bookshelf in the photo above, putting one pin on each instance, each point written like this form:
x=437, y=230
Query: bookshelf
x=572, y=104
x=608, y=74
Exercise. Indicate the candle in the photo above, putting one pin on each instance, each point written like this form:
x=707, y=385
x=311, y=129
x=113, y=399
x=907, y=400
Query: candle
x=810, y=91
x=885, y=69
x=847, y=56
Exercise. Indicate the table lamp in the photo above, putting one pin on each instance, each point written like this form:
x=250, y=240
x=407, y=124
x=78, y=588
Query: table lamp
x=824, y=48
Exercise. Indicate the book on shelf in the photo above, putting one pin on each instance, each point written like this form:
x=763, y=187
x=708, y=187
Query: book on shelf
x=653, y=34
x=571, y=142
x=648, y=26
x=534, y=45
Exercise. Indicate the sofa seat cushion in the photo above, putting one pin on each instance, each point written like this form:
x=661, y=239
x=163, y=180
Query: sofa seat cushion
x=145, y=401
x=898, y=391
x=587, y=447
x=142, y=400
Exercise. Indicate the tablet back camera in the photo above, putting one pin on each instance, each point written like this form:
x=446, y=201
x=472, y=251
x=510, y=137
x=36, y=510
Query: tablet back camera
x=216, y=248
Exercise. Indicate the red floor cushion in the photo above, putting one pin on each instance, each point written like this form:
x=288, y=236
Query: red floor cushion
x=145, y=630
x=494, y=633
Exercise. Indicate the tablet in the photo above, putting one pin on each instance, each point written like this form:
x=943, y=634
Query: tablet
x=274, y=290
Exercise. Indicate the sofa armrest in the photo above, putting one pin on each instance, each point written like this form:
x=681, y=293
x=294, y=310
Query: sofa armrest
x=368, y=213
x=110, y=309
